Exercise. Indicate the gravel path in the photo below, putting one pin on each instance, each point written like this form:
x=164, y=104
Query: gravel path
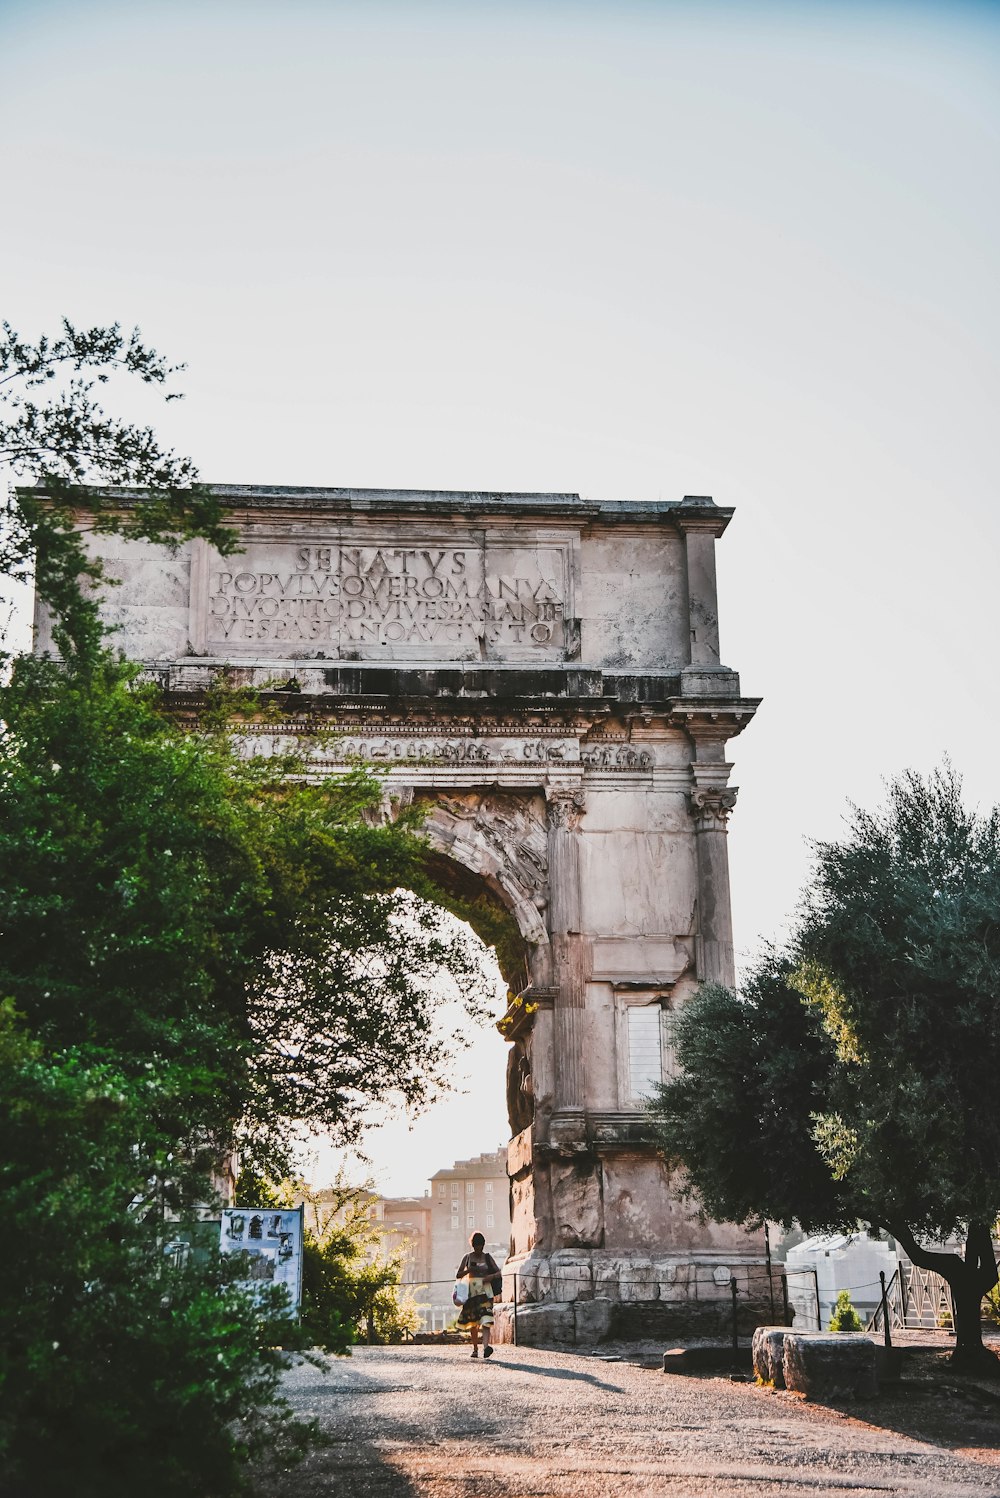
x=409, y=1422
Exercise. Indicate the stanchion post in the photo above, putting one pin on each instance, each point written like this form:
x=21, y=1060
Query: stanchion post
x=770, y=1281
x=885, y=1310
x=734, y=1291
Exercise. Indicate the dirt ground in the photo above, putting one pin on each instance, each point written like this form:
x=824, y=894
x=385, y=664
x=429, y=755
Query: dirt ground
x=427, y=1422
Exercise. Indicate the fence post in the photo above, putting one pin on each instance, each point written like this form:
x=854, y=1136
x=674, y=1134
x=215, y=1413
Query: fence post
x=770, y=1281
x=734, y=1291
x=885, y=1310
x=514, y=1329
x=819, y=1314
x=784, y=1296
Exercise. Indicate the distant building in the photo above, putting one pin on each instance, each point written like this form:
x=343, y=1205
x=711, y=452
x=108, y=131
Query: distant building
x=402, y=1225
x=468, y=1197
x=406, y=1230
x=431, y=1233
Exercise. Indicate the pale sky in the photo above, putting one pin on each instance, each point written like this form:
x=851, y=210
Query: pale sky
x=634, y=250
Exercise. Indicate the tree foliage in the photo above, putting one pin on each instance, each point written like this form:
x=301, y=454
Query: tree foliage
x=753, y=1069
x=204, y=952
x=351, y=1288
x=56, y=434
x=845, y=1318
x=198, y=951
x=114, y=1358
x=853, y=1077
x=349, y=1281
x=163, y=895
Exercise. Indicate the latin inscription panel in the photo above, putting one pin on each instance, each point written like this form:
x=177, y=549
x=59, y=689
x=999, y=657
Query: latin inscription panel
x=399, y=599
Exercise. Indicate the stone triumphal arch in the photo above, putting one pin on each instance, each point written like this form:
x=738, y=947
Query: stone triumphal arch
x=544, y=672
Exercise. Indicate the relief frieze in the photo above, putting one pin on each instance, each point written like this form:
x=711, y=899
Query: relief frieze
x=379, y=748
x=615, y=757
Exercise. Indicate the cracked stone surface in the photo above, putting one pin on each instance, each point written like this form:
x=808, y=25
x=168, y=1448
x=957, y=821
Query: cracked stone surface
x=410, y=1422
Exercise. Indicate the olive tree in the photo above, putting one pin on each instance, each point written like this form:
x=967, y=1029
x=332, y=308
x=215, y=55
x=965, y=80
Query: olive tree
x=853, y=1078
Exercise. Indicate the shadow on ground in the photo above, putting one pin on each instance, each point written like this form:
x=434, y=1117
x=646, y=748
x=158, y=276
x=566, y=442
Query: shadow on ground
x=948, y=1410
x=343, y=1468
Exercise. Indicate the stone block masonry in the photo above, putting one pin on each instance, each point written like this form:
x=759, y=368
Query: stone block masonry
x=542, y=674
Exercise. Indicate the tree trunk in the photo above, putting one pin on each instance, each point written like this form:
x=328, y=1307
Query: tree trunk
x=969, y=1279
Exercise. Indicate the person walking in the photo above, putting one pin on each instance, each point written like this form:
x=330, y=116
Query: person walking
x=485, y=1283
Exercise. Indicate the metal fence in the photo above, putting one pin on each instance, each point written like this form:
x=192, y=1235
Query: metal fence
x=914, y=1299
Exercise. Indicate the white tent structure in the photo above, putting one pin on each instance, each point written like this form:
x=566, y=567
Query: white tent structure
x=831, y=1262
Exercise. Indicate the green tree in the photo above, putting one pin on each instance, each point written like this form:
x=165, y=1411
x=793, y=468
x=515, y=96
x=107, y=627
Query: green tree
x=162, y=902
x=853, y=1079
x=166, y=897
x=202, y=951
x=350, y=1286
x=114, y=1358
x=348, y=1279
x=55, y=433
x=845, y=1318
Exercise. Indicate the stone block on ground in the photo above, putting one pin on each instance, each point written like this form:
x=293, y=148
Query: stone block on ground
x=503, y=1330
x=769, y=1355
x=593, y=1321
x=834, y=1365
x=888, y=1364
x=543, y=1326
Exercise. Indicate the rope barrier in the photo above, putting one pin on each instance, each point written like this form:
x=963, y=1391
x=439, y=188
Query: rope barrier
x=600, y=1274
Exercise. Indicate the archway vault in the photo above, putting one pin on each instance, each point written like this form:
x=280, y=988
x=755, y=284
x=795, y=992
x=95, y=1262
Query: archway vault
x=487, y=854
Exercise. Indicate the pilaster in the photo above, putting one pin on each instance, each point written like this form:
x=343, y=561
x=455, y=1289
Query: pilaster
x=566, y=805
x=700, y=521
x=711, y=805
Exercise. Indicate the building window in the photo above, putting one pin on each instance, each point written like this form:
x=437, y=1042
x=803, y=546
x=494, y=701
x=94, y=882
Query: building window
x=454, y=1188
x=645, y=1056
x=470, y=1188
x=470, y=1221
x=488, y=1186
x=441, y=1188
x=489, y=1219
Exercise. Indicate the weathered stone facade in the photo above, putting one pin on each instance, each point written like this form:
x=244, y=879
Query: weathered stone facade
x=543, y=672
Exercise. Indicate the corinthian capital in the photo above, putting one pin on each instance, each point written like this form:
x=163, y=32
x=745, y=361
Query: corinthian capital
x=566, y=808
x=711, y=805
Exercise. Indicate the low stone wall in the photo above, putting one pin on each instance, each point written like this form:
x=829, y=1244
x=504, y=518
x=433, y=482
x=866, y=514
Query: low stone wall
x=581, y=1323
x=580, y=1297
x=586, y=1323
x=587, y=1274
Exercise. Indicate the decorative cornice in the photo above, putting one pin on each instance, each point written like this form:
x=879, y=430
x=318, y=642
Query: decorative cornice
x=449, y=505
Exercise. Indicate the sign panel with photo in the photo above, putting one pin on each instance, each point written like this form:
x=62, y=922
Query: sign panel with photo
x=271, y=1241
